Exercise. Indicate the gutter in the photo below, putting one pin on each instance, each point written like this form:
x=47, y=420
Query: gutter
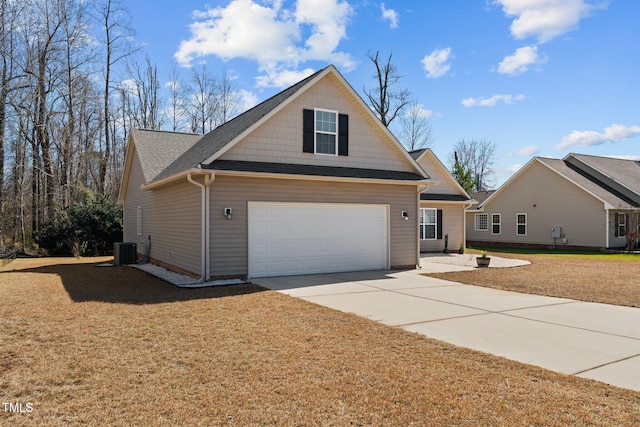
x=205, y=217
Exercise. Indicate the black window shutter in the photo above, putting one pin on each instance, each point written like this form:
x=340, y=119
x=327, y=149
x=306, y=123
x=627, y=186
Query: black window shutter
x=307, y=131
x=439, y=223
x=343, y=135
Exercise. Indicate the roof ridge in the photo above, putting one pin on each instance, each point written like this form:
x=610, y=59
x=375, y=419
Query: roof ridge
x=166, y=131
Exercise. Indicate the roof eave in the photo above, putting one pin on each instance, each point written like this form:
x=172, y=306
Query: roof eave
x=176, y=177
x=425, y=181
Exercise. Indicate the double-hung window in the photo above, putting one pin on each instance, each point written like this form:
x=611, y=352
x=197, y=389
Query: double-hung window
x=496, y=222
x=326, y=132
x=521, y=224
x=428, y=224
x=621, y=225
x=481, y=222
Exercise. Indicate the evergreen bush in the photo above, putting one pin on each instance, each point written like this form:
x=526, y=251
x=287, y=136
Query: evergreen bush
x=89, y=229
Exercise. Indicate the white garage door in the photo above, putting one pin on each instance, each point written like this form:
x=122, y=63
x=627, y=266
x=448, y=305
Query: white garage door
x=303, y=238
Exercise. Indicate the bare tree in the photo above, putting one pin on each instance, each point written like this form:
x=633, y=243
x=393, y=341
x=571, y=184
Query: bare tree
x=117, y=34
x=9, y=12
x=144, y=107
x=415, y=130
x=45, y=43
x=478, y=156
x=201, y=103
x=75, y=75
x=386, y=99
x=176, y=101
x=228, y=99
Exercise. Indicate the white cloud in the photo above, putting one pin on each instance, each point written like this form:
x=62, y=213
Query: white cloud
x=625, y=157
x=390, y=15
x=282, y=78
x=528, y=150
x=586, y=138
x=270, y=35
x=423, y=112
x=514, y=168
x=491, y=102
x=436, y=64
x=248, y=99
x=129, y=86
x=545, y=19
x=520, y=61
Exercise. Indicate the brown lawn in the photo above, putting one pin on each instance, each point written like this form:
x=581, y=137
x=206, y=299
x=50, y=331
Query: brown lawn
x=114, y=346
x=611, y=279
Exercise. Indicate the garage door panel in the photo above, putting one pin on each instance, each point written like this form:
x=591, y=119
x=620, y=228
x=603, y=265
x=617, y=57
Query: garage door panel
x=296, y=238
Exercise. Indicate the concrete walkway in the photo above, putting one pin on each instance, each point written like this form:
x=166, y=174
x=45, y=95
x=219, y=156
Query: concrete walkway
x=597, y=341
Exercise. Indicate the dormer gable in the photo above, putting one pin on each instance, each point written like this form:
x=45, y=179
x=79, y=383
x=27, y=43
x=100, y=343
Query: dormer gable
x=443, y=183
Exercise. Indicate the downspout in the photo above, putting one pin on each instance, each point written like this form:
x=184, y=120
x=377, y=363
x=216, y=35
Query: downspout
x=421, y=189
x=204, y=190
x=465, y=206
x=208, y=180
x=606, y=227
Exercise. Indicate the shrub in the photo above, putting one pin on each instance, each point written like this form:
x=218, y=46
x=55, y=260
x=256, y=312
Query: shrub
x=88, y=228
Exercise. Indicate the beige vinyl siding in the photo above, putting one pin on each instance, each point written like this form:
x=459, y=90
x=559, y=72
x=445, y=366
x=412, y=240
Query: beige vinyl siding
x=170, y=215
x=229, y=237
x=440, y=177
x=549, y=200
x=279, y=140
x=452, y=224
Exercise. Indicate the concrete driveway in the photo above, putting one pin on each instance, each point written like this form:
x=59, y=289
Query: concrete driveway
x=597, y=341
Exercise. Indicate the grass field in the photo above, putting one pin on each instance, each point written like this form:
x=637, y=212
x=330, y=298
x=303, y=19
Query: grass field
x=114, y=346
x=585, y=276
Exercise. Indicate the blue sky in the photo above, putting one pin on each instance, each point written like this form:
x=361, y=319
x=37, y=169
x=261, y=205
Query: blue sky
x=537, y=77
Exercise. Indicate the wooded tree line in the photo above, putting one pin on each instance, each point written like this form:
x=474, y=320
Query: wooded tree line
x=71, y=87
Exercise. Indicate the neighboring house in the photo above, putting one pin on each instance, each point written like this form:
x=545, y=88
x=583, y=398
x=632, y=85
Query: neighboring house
x=442, y=206
x=308, y=181
x=579, y=201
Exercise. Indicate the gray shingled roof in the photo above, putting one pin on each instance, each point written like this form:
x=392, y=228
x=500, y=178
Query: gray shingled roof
x=625, y=172
x=589, y=184
x=215, y=140
x=295, y=169
x=481, y=196
x=444, y=197
x=417, y=153
x=158, y=149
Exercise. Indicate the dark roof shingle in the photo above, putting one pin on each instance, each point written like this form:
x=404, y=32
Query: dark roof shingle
x=218, y=138
x=311, y=170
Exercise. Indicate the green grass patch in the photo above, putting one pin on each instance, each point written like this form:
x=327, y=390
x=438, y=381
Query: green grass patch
x=558, y=252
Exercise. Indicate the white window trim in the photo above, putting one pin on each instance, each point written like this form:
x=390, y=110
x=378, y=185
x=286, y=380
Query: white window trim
x=139, y=220
x=475, y=222
x=424, y=225
x=315, y=132
x=525, y=224
x=621, y=221
x=499, y=223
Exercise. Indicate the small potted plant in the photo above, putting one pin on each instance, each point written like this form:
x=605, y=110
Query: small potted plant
x=446, y=244
x=483, y=260
x=461, y=248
